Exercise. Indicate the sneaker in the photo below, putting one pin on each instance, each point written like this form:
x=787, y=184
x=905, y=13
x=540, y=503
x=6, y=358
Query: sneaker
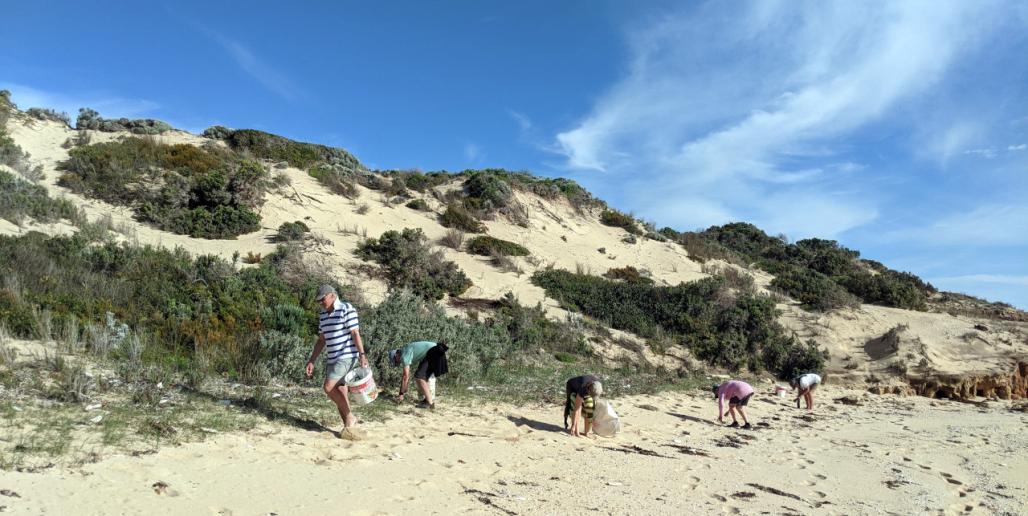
x=425, y=404
x=747, y=426
x=735, y=424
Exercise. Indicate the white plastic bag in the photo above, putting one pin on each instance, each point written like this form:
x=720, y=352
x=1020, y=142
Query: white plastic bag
x=606, y=422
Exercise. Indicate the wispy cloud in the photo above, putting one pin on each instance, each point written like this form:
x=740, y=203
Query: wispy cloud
x=524, y=123
x=473, y=153
x=109, y=106
x=745, y=111
x=991, y=224
x=256, y=67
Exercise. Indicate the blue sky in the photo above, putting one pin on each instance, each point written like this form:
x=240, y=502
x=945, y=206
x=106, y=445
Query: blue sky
x=898, y=128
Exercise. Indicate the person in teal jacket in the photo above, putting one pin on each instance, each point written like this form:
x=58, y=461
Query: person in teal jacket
x=430, y=358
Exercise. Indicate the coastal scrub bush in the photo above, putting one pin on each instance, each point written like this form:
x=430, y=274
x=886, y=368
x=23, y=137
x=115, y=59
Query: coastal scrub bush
x=204, y=192
x=727, y=330
x=418, y=204
x=408, y=262
x=292, y=231
x=614, y=218
x=626, y=273
x=486, y=192
x=298, y=154
x=457, y=217
x=814, y=290
x=336, y=180
x=90, y=119
x=49, y=115
x=19, y=198
x=487, y=246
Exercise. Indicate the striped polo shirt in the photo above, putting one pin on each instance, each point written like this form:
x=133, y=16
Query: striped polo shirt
x=336, y=326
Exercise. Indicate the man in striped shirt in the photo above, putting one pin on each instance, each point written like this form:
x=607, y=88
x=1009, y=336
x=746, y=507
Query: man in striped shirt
x=339, y=336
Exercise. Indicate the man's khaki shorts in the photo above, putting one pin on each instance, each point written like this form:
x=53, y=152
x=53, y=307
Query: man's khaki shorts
x=339, y=369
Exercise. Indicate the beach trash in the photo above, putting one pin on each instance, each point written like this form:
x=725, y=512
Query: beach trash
x=431, y=386
x=360, y=384
x=606, y=422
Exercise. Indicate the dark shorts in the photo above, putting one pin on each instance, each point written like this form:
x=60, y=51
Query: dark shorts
x=736, y=402
x=434, y=363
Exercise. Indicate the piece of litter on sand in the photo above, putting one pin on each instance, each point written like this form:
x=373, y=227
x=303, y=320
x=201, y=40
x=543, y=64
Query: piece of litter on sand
x=395, y=456
x=159, y=487
x=15, y=408
x=94, y=406
x=208, y=430
x=613, y=483
x=96, y=419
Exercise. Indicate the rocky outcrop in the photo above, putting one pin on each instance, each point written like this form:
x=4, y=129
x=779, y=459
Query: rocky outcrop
x=1012, y=386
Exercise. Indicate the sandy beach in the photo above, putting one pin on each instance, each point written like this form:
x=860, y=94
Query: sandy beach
x=889, y=455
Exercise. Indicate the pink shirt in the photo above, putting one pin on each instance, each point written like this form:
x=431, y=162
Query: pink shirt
x=729, y=389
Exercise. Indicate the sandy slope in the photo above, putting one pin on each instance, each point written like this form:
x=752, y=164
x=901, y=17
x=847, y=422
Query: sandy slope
x=891, y=456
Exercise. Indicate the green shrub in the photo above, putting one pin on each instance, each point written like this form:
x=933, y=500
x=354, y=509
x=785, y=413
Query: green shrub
x=335, y=179
x=217, y=132
x=626, y=273
x=408, y=262
x=203, y=192
x=49, y=114
x=19, y=198
x=488, y=246
x=457, y=217
x=292, y=231
x=814, y=290
x=723, y=330
x=614, y=218
x=90, y=119
x=486, y=191
x=419, y=204
x=565, y=357
x=298, y=154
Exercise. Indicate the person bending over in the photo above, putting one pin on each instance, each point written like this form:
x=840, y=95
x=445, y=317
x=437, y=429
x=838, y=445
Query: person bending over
x=806, y=384
x=581, y=394
x=738, y=394
x=431, y=360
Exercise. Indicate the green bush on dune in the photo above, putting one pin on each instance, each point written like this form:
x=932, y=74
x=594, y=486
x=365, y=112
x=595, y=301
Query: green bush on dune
x=408, y=262
x=814, y=270
x=457, y=217
x=732, y=331
x=204, y=192
x=487, y=246
x=90, y=119
x=20, y=199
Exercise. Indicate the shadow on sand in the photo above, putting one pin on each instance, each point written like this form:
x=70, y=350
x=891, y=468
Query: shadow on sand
x=694, y=419
x=272, y=414
x=535, y=425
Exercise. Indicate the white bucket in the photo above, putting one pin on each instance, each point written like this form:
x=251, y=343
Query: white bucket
x=431, y=386
x=360, y=383
x=780, y=391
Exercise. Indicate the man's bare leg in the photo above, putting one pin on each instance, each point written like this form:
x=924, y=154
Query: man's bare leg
x=743, y=414
x=337, y=393
x=423, y=389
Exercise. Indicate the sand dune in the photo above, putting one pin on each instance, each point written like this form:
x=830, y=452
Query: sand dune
x=889, y=456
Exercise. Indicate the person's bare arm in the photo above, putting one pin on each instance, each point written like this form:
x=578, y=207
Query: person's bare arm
x=318, y=346
x=403, y=382
x=356, y=334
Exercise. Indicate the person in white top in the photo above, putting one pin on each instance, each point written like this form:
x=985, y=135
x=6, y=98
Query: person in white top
x=806, y=384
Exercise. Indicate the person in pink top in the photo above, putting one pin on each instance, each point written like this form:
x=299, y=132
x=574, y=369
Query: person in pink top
x=738, y=394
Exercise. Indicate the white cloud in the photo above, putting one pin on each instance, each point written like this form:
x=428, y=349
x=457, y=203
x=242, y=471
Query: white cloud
x=254, y=66
x=744, y=108
x=991, y=224
x=982, y=153
x=473, y=153
x=1019, y=147
x=1002, y=279
x=524, y=123
x=109, y=106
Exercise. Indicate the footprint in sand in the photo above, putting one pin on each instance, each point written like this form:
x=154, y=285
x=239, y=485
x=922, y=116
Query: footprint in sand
x=719, y=498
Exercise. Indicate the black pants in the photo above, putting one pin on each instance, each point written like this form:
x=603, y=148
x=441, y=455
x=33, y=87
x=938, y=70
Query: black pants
x=434, y=363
